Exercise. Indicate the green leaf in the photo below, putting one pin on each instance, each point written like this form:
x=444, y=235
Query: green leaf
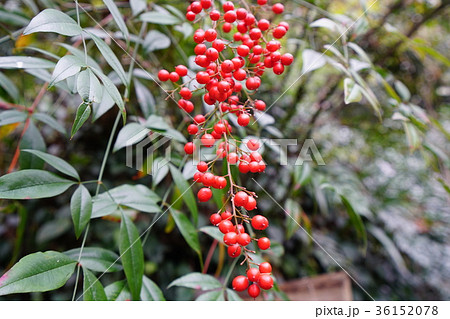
x=412, y=136
x=112, y=91
x=117, y=17
x=137, y=197
x=50, y=121
x=67, y=66
x=89, y=87
x=24, y=62
x=312, y=60
x=92, y=287
x=186, y=229
x=356, y=220
x=132, y=256
x=12, y=116
x=156, y=40
x=232, y=295
x=31, y=140
x=186, y=190
x=137, y=6
x=352, y=91
x=156, y=17
x=130, y=134
x=197, y=280
x=110, y=57
x=215, y=295
x=96, y=259
x=302, y=175
x=37, y=272
x=58, y=163
x=118, y=291
x=81, y=209
x=13, y=18
x=104, y=106
x=51, y=20
x=83, y=113
x=150, y=291
x=145, y=98
x=212, y=231
x=31, y=184
x=80, y=54
x=9, y=87
x=293, y=221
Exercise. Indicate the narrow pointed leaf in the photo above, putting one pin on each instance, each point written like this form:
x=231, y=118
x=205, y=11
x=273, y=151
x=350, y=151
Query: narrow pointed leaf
x=24, y=62
x=150, y=291
x=186, y=229
x=96, y=259
x=197, y=280
x=118, y=291
x=50, y=121
x=83, y=113
x=58, y=163
x=51, y=20
x=12, y=116
x=67, y=66
x=81, y=209
x=92, y=287
x=132, y=256
x=186, y=190
x=117, y=17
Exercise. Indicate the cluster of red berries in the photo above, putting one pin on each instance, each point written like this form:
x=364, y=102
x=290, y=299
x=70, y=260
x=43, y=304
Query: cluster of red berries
x=234, y=53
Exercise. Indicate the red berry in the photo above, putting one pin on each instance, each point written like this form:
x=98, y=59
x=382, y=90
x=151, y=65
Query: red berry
x=260, y=105
x=215, y=219
x=279, y=32
x=185, y=93
x=243, y=119
x=206, y=4
x=230, y=16
x=223, y=86
x=208, y=140
x=253, y=274
x=263, y=24
x=226, y=226
x=253, y=144
x=226, y=215
x=190, y=16
x=240, y=74
x=198, y=176
x=208, y=179
x=174, y=77
x=260, y=222
x=253, y=83
x=278, y=68
x=273, y=45
x=241, y=13
x=240, y=198
x=210, y=35
x=265, y=281
x=196, y=7
x=202, y=77
x=264, y=243
x=287, y=59
x=220, y=182
x=200, y=49
x=253, y=166
x=230, y=238
x=228, y=6
x=240, y=283
x=218, y=44
x=255, y=156
x=181, y=70
x=204, y=194
x=212, y=54
x=199, y=36
x=202, y=167
x=214, y=15
x=243, y=239
x=189, y=148
x=255, y=34
x=232, y=158
x=278, y=8
x=243, y=50
x=234, y=251
x=262, y=2
x=192, y=129
x=265, y=268
x=243, y=168
x=199, y=119
x=254, y=290
x=163, y=75
x=284, y=24
x=226, y=27
x=251, y=203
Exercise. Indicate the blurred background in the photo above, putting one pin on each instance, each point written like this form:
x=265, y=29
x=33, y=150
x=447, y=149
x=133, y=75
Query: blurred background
x=376, y=105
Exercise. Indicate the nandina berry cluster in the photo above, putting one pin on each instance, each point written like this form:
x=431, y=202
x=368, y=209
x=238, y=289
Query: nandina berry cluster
x=233, y=54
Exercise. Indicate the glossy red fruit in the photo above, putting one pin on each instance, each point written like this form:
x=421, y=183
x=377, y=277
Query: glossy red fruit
x=253, y=274
x=260, y=105
x=263, y=24
x=196, y=7
x=253, y=83
x=206, y=4
x=279, y=32
x=254, y=290
x=200, y=49
x=284, y=24
x=202, y=166
x=278, y=8
x=262, y=2
x=240, y=198
x=226, y=226
x=227, y=27
x=208, y=179
x=215, y=219
x=226, y=215
x=198, y=176
x=212, y=54
x=243, y=167
x=163, y=75
x=265, y=268
x=240, y=283
x=243, y=119
x=192, y=129
x=243, y=239
x=278, y=68
x=234, y=251
x=214, y=15
x=287, y=59
x=243, y=50
x=202, y=77
x=190, y=16
x=241, y=13
x=199, y=36
x=265, y=281
x=189, y=148
x=181, y=70
x=264, y=243
x=185, y=93
x=251, y=203
x=255, y=156
x=208, y=140
x=240, y=229
x=260, y=222
x=232, y=158
x=210, y=35
x=199, y=119
x=230, y=238
x=230, y=16
x=273, y=45
x=220, y=183
x=228, y=6
x=253, y=166
x=240, y=74
x=218, y=44
x=204, y=194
